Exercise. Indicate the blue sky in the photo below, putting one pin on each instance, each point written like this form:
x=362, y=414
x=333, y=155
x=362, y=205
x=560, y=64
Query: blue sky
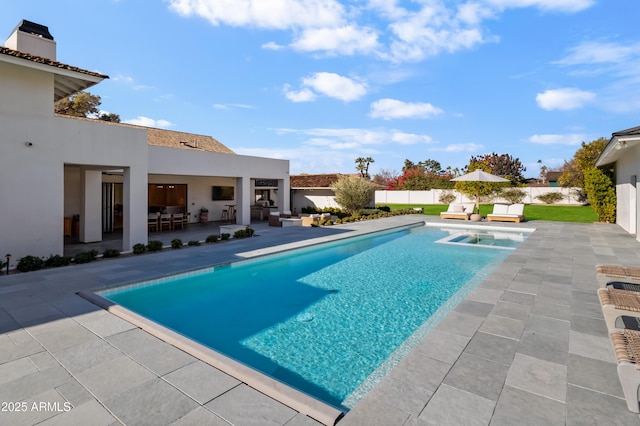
x=322, y=82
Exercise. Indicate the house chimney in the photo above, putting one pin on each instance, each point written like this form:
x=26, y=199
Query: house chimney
x=29, y=37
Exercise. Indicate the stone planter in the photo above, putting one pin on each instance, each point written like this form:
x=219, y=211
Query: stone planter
x=475, y=217
x=204, y=217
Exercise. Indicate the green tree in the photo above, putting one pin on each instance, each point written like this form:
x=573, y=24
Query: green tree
x=353, y=192
x=503, y=165
x=84, y=104
x=362, y=166
x=480, y=191
x=600, y=193
x=584, y=158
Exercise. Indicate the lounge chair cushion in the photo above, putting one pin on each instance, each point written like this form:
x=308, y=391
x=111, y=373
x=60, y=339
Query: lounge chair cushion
x=500, y=209
x=457, y=208
x=516, y=209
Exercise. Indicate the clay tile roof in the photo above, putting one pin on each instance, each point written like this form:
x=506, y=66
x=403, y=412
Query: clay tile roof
x=173, y=139
x=313, y=181
x=45, y=61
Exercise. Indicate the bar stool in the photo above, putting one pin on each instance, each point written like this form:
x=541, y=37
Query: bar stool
x=225, y=215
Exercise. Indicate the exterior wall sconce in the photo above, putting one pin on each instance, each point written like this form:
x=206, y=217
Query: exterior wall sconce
x=28, y=144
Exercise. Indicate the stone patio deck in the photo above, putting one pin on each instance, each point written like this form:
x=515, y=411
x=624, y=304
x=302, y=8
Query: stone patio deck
x=528, y=346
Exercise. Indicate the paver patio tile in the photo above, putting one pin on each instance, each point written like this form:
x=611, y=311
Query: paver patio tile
x=471, y=307
x=492, y=347
x=243, y=405
x=104, y=324
x=459, y=323
x=442, y=346
x=113, y=377
x=36, y=409
x=87, y=355
x=34, y=384
x=522, y=408
x=587, y=407
x=594, y=374
x=79, y=415
x=451, y=407
x=503, y=326
x=551, y=326
x=157, y=355
x=15, y=369
x=591, y=346
x=477, y=375
x=75, y=393
x=60, y=334
x=517, y=297
x=544, y=346
x=511, y=310
x=551, y=310
x=201, y=381
x=537, y=376
x=152, y=403
x=200, y=417
x=18, y=344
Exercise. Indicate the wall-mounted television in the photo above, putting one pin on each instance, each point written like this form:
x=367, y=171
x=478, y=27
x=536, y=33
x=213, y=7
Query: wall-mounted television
x=222, y=193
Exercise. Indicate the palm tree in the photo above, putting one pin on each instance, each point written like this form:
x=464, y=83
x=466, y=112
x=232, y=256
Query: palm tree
x=362, y=166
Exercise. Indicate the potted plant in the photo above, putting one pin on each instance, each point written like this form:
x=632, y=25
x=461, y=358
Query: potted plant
x=204, y=215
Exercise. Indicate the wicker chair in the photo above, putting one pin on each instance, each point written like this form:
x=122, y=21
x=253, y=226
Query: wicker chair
x=616, y=303
x=626, y=344
x=608, y=273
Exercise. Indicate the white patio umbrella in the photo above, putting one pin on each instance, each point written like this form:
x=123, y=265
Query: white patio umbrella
x=479, y=176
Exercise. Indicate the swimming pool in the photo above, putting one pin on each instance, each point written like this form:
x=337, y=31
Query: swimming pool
x=327, y=320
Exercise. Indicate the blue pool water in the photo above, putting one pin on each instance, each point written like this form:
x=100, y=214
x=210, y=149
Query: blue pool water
x=323, y=319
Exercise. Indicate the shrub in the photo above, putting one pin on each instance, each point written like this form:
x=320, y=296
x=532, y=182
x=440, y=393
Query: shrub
x=176, y=243
x=30, y=263
x=139, y=248
x=111, y=253
x=513, y=195
x=154, y=246
x=85, y=257
x=55, y=261
x=601, y=194
x=225, y=237
x=211, y=239
x=193, y=243
x=353, y=192
x=447, y=197
x=384, y=208
x=551, y=197
x=240, y=233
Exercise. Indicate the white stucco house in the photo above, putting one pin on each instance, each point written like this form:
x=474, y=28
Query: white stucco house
x=110, y=174
x=623, y=151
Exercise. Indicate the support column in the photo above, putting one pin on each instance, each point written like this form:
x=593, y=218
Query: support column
x=91, y=206
x=284, y=194
x=243, y=202
x=134, y=208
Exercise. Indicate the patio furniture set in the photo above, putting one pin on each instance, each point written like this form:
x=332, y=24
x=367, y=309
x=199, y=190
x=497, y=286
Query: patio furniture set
x=501, y=212
x=619, y=295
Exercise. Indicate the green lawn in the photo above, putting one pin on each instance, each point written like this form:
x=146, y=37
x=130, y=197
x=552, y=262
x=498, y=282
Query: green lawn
x=583, y=214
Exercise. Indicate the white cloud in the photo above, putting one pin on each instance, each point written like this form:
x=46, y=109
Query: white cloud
x=302, y=95
x=388, y=109
x=272, y=45
x=345, y=40
x=564, y=99
x=599, y=53
x=341, y=139
x=229, y=106
x=549, y=5
x=327, y=84
x=557, y=139
x=273, y=14
x=460, y=147
x=149, y=122
x=389, y=29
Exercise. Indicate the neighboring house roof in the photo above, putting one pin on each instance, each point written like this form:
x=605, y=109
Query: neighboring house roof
x=618, y=145
x=323, y=181
x=173, y=139
x=68, y=79
x=553, y=176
